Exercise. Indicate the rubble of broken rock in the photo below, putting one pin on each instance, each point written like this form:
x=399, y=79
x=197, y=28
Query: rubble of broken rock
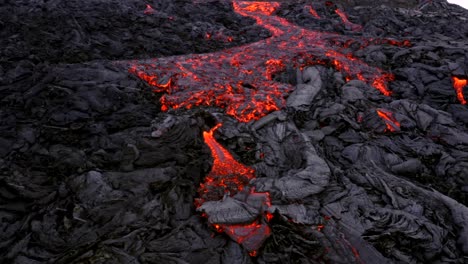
x=92, y=171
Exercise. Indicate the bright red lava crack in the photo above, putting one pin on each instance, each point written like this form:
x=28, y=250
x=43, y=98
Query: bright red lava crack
x=390, y=121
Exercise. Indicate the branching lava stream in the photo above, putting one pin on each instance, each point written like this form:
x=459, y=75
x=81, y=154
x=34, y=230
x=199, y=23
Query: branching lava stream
x=240, y=79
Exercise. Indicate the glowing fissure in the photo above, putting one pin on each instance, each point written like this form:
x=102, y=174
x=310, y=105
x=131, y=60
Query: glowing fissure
x=229, y=177
x=346, y=21
x=391, y=123
x=240, y=79
x=312, y=11
x=458, y=85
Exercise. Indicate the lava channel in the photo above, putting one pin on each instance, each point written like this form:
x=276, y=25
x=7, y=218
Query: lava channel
x=240, y=79
x=229, y=177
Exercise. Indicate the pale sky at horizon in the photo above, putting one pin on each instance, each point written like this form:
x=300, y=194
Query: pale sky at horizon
x=463, y=3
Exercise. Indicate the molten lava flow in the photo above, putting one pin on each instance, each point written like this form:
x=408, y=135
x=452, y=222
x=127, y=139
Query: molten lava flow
x=459, y=84
x=228, y=177
x=240, y=79
x=392, y=124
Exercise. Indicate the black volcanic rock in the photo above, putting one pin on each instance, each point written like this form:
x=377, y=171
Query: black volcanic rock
x=73, y=31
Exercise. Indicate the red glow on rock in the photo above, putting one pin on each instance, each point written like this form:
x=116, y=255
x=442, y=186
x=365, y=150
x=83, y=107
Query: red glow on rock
x=354, y=250
x=312, y=11
x=272, y=66
x=239, y=79
x=218, y=228
x=247, y=232
x=269, y=216
x=148, y=10
x=458, y=85
x=404, y=43
x=355, y=253
x=153, y=80
x=346, y=21
x=265, y=8
x=380, y=83
x=392, y=124
x=360, y=117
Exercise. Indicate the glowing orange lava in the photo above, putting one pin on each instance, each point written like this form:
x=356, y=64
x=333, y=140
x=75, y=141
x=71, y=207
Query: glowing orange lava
x=240, y=79
x=392, y=124
x=265, y=8
x=458, y=85
x=228, y=176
